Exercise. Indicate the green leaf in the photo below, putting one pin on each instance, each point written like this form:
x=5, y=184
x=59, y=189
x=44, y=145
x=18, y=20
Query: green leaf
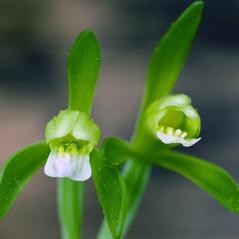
x=211, y=178
x=136, y=175
x=111, y=191
x=169, y=56
x=70, y=207
x=136, y=172
x=83, y=70
x=18, y=170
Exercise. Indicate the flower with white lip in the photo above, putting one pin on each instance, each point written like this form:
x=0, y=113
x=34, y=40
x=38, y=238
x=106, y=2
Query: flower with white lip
x=173, y=120
x=72, y=136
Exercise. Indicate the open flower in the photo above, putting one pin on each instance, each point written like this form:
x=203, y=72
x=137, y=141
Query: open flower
x=173, y=120
x=72, y=136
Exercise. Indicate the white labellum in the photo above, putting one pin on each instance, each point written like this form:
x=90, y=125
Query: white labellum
x=169, y=135
x=73, y=166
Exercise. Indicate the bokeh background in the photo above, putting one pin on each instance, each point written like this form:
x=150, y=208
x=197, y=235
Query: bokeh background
x=34, y=40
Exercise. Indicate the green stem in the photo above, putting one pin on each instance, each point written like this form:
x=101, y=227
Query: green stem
x=70, y=204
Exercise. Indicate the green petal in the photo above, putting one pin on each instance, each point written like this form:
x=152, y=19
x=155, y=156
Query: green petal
x=86, y=129
x=72, y=123
x=61, y=125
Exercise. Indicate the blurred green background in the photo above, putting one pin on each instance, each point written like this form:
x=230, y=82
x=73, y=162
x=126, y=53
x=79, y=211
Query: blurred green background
x=34, y=40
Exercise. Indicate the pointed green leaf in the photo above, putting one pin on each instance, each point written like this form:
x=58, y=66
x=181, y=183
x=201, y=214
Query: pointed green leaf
x=83, y=70
x=18, y=170
x=169, y=56
x=111, y=191
x=136, y=175
x=211, y=178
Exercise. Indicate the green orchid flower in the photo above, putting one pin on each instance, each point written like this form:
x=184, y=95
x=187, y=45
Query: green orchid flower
x=173, y=120
x=71, y=135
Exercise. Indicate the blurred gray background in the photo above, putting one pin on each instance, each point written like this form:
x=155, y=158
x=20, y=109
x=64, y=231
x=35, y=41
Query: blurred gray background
x=34, y=40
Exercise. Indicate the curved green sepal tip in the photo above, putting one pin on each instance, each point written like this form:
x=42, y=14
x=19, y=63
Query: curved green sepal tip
x=18, y=170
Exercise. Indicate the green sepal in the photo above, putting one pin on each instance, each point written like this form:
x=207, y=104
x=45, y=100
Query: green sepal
x=111, y=192
x=18, y=170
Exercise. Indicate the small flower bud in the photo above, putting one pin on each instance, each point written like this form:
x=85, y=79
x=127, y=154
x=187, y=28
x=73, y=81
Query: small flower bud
x=173, y=120
x=71, y=136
